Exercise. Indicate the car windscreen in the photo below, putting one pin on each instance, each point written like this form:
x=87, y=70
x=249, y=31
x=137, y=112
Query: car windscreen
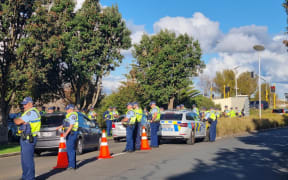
x=51, y=121
x=171, y=116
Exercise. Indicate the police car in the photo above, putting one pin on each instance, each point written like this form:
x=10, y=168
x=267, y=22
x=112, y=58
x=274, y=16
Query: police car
x=183, y=125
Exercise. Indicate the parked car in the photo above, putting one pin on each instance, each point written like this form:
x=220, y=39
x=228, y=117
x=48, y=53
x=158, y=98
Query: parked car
x=182, y=125
x=119, y=131
x=281, y=111
x=48, y=137
x=255, y=104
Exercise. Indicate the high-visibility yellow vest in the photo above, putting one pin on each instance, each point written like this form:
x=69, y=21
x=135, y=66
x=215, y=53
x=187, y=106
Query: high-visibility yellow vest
x=76, y=124
x=212, y=116
x=232, y=113
x=132, y=120
x=90, y=114
x=158, y=113
x=139, y=114
x=34, y=123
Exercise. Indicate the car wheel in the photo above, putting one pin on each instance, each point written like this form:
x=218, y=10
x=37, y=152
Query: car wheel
x=207, y=137
x=99, y=144
x=116, y=140
x=191, y=140
x=10, y=136
x=79, y=146
x=37, y=153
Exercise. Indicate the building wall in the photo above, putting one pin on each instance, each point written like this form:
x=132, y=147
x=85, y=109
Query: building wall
x=241, y=102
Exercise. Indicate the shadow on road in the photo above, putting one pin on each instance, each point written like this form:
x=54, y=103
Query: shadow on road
x=49, y=174
x=267, y=160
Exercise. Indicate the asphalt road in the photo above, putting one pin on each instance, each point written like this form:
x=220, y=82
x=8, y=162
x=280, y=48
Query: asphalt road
x=256, y=156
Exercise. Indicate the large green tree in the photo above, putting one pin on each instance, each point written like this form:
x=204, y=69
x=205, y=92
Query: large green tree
x=227, y=78
x=16, y=68
x=246, y=84
x=165, y=64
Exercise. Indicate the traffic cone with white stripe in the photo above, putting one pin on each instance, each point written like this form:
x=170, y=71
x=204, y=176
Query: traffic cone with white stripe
x=144, y=140
x=104, y=150
x=62, y=161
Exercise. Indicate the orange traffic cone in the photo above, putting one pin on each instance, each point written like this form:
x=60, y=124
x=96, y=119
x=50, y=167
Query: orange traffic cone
x=144, y=140
x=62, y=161
x=104, y=150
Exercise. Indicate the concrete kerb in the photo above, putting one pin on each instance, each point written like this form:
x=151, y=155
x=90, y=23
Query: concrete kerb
x=9, y=154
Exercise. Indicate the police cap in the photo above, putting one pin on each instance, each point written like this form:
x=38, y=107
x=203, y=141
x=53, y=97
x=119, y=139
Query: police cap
x=69, y=106
x=26, y=100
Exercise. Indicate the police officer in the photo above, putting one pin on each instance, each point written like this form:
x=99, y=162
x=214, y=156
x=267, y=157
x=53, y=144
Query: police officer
x=43, y=110
x=50, y=110
x=226, y=112
x=30, y=123
x=139, y=115
x=115, y=113
x=92, y=114
x=178, y=108
x=70, y=126
x=108, y=120
x=129, y=122
x=182, y=107
x=232, y=112
x=212, y=119
x=195, y=109
x=155, y=113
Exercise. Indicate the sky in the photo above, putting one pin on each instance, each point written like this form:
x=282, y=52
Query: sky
x=227, y=31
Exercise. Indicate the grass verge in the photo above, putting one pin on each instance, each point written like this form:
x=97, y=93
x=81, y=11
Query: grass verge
x=231, y=126
x=9, y=148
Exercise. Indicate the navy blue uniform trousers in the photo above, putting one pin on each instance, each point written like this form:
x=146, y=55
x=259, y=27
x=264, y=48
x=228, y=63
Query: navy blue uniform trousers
x=27, y=159
x=212, y=130
x=109, y=127
x=154, y=137
x=71, y=148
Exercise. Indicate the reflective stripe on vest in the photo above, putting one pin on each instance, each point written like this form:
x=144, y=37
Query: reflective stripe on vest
x=132, y=120
x=34, y=123
x=139, y=114
x=76, y=124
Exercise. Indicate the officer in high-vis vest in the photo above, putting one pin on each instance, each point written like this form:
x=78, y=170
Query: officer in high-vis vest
x=108, y=120
x=138, y=127
x=115, y=113
x=155, y=123
x=30, y=123
x=232, y=112
x=212, y=119
x=129, y=121
x=195, y=109
x=92, y=113
x=70, y=127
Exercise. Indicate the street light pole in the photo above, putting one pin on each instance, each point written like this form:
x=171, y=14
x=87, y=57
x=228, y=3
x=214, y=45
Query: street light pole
x=235, y=68
x=259, y=48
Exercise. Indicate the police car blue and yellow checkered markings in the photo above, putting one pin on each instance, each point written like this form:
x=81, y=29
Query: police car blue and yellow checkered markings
x=176, y=125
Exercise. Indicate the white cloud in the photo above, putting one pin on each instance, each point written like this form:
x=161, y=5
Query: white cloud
x=111, y=83
x=78, y=5
x=198, y=26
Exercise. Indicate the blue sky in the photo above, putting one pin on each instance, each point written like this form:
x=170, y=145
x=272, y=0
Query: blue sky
x=226, y=30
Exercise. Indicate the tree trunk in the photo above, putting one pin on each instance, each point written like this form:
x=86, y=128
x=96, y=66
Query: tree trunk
x=171, y=103
x=4, y=112
x=77, y=97
x=97, y=93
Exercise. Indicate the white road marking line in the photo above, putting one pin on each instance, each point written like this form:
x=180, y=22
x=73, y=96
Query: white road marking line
x=118, y=154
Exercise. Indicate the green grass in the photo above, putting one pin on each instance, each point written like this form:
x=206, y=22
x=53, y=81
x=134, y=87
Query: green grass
x=231, y=126
x=9, y=148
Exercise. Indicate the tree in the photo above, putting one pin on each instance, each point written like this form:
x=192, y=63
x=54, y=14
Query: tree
x=92, y=49
x=227, y=78
x=16, y=68
x=165, y=64
x=265, y=92
x=246, y=84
